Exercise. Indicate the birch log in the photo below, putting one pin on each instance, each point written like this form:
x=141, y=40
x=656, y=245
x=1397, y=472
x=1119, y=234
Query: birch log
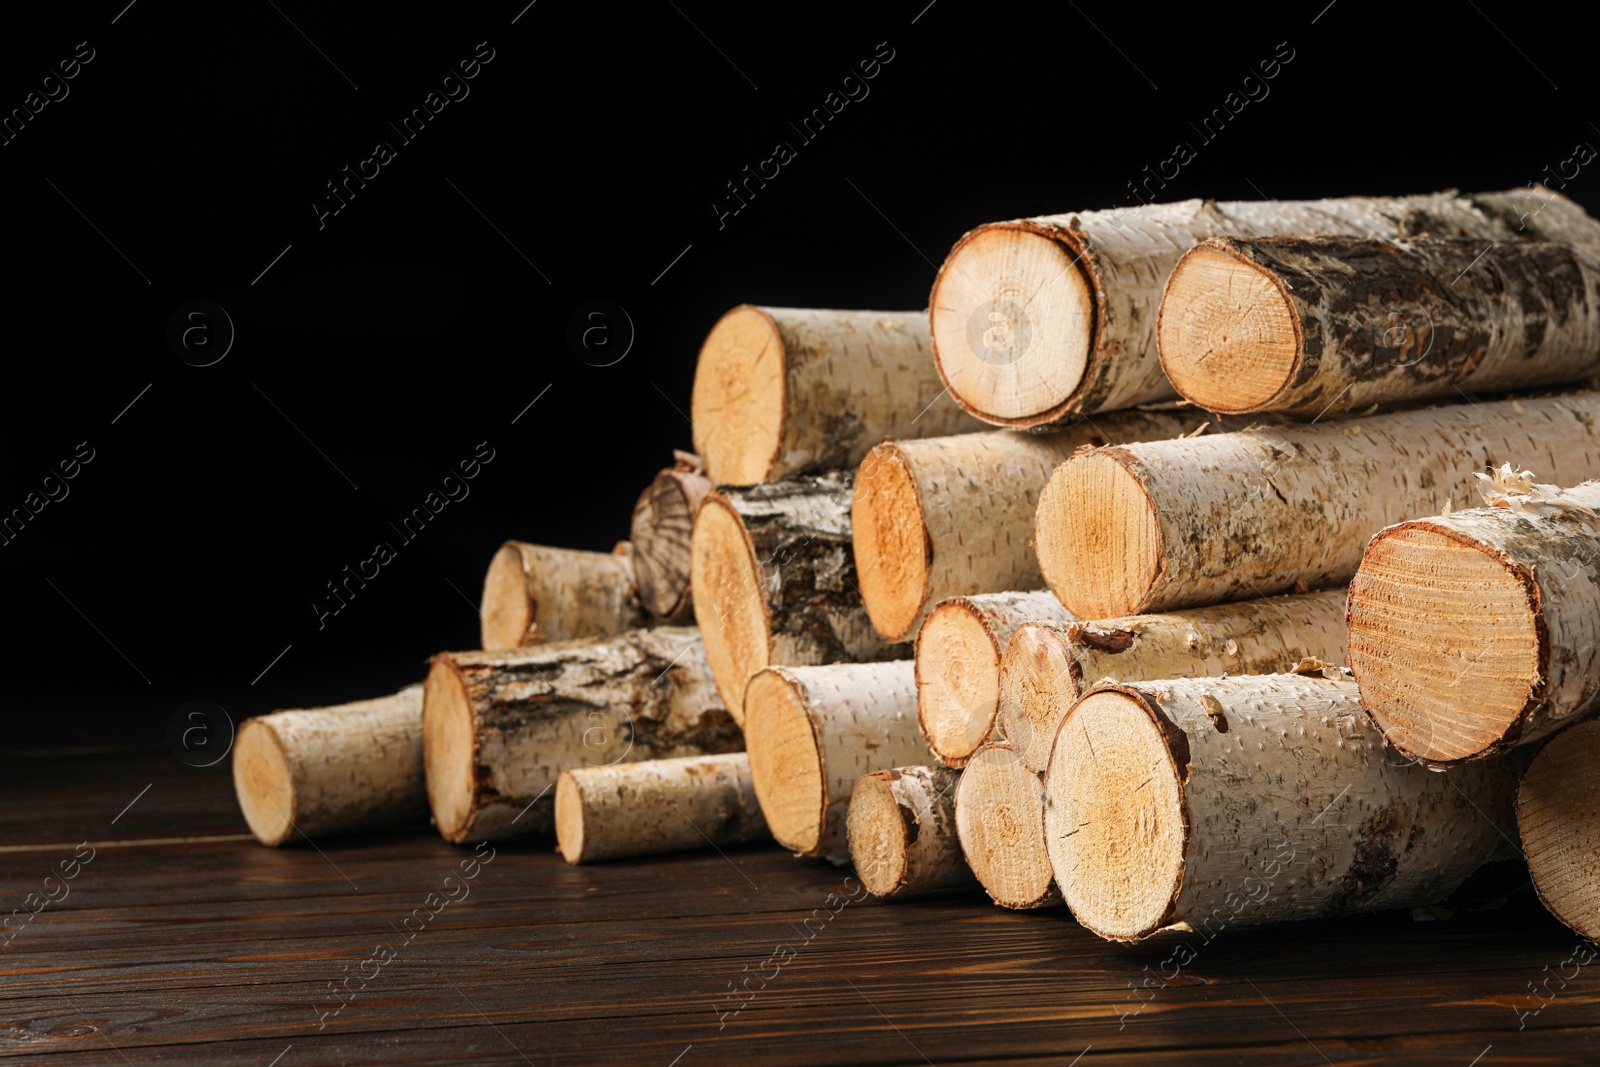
x=902, y=831
x=534, y=594
x=1048, y=666
x=498, y=728
x=658, y=805
x=663, y=523
x=1229, y=802
x=1324, y=325
x=1558, y=815
x=1479, y=630
x=958, y=660
x=812, y=731
x=310, y=772
x=774, y=582
x=1036, y=321
x=1172, y=524
x=953, y=516
x=1000, y=821
x=780, y=392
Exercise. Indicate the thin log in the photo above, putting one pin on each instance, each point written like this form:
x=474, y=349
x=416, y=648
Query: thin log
x=500, y=727
x=1229, y=802
x=782, y=392
x=1049, y=665
x=1228, y=516
x=1037, y=321
x=958, y=656
x=1000, y=821
x=659, y=805
x=775, y=583
x=1558, y=816
x=534, y=593
x=1324, y=325
x=812, y=731
x=310, y=772
x=663, y=524
x=902, y=831
x=1479, y=630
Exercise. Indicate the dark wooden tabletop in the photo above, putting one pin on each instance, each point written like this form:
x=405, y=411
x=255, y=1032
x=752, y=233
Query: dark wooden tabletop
x=181, y=941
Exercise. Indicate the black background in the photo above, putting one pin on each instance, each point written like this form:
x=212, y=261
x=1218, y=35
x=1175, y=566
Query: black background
x=382, y=348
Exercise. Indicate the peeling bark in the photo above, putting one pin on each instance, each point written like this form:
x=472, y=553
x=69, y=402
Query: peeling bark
x=902, y=831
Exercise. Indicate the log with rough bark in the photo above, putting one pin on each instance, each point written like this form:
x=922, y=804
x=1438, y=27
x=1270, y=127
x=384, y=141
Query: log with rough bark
x=1324, y=325
x=534, y=593
x=1000, y=821
x=812, y=731
x=780, y=392
x=498, y=728
x=660, y=805
x=309, y=772
x=1172, y=524
x=1039, y=320
x=953, y=516
x=958, y=659
x=1230, y=802
x=902, y=831
x=663, y=522
x=1049, y=665
x=1558, y=815
x=1479, y=630
x=774, y=582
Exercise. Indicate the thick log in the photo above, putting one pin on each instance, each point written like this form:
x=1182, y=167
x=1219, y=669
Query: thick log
x=659, y=805
x=1228, y=516
x=1324, y=325
x=812, y=731
x=1230, y=802
x=1049, y=665
x=775, y=583
x=1000, y=821
x=309, y=772
x=499, y=727
x=663, y=524
x=958, y=660
x=534, y=593
x=1558, y=816
x=902, y=831
x=1037, y=321
x=781, y=392
x=953, y=516
x=1479, y=630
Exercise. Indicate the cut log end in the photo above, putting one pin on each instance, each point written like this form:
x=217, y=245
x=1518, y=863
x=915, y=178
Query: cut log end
x=958, y=694
x=1037, y=689
x=878, y=834
x=728, y=602
x=569, y=818
x=1099, y=537
x=1229, y=336
x=263, y=782
x=1437, y=697
x=1013, y=322
x=447, y=746
x=1558, y=817
x=890, y=541
x=1000, y=820
x=1116, y=826
x=662, y=527
x=737, y=406
x=785, y=761
x=508, y=607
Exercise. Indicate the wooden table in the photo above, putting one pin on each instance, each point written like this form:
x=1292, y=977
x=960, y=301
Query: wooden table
x=183, y=942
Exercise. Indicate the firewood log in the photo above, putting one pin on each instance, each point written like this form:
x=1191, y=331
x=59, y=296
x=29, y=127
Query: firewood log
x=1000, y=821
x=659, y=805
x=533, y=594
x=902, y=831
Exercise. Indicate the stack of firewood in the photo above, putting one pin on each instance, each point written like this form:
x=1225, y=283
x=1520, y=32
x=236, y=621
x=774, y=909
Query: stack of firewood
x=1225, y=638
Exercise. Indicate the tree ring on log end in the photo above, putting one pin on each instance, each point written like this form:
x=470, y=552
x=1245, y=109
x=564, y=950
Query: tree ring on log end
x=739, y=398
x=958, y=676
x=890, y=542
x=1098, y=537
x=508, y=607
x=449, y=750
x=785, y=761
x=1438, y=697
x=1000, y=821
x=1229, y=335
x=1116, y=827
x=1012, y=323
x=1558, y=819
x=877, y=831
x=1038, y=689
x=729, y=603
x=264, y=782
